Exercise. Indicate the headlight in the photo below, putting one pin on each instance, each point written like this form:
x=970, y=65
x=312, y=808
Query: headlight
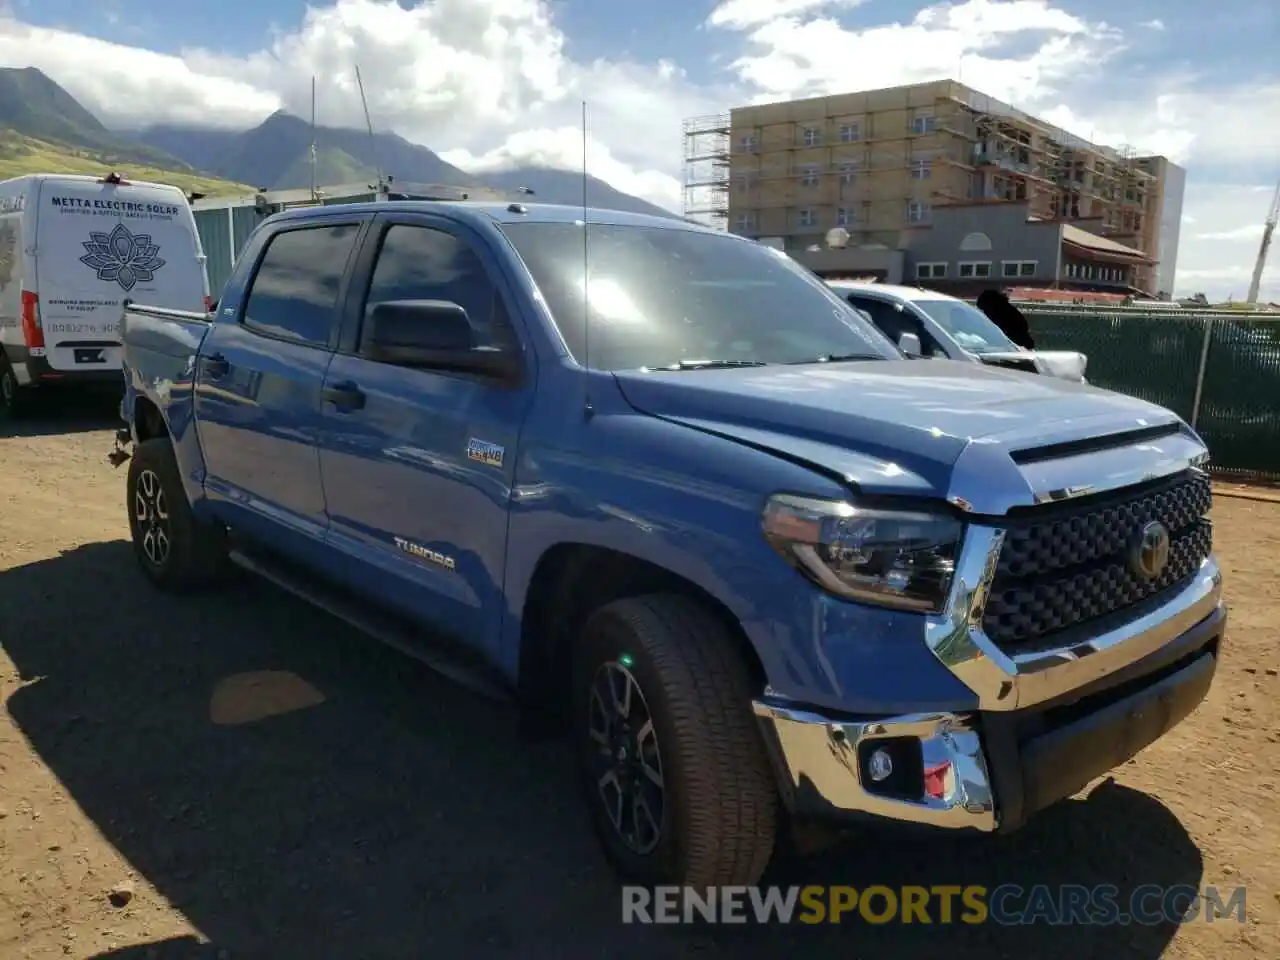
x=893, y=558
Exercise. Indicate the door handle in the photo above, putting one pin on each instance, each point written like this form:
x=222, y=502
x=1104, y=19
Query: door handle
x=344, y=396
x=215, y=366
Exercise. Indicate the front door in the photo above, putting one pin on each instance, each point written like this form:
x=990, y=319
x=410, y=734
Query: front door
x=258, y=383
x=418, y=465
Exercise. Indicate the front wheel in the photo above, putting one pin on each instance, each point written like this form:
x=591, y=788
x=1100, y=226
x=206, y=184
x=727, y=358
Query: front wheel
x=670, y=756
x=174, y=549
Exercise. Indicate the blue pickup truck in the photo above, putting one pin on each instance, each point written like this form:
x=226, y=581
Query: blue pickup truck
x=671, y=494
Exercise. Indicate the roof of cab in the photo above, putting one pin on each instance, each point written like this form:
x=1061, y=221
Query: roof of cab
x=512, y=212
x=890, y=290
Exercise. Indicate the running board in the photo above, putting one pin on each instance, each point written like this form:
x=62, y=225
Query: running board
x=375, y=623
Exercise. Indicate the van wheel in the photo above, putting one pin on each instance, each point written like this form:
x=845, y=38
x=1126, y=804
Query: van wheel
x=176, y=551
x=670, y=756
x=12, y=395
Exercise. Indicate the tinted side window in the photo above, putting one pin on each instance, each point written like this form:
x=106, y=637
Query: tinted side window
x=421, y=263
x=295, y=292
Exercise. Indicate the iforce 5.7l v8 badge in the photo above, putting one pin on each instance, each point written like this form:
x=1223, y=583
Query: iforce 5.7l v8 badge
x=482, y=451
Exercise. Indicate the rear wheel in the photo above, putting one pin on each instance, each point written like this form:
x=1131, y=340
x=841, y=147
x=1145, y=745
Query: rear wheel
x=671, y=760
x=174, y=549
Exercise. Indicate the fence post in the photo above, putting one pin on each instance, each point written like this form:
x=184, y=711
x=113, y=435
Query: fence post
x=1204, y=361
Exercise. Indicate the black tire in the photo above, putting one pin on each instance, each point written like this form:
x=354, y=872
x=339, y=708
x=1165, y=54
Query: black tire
x=13, y=397
x=719, y=800
x=175, y=550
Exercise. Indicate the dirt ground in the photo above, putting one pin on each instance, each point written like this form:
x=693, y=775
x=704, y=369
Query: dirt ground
x=238, y=775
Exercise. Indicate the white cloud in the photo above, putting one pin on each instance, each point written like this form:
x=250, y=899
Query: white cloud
x=1218, y=257
x=562, y=148
x=1156, y=24
x=788, y=56
x=748, y=13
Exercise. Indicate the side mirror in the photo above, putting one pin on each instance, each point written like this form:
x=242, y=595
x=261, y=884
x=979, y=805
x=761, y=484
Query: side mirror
x=909, y=343
x=434, y=335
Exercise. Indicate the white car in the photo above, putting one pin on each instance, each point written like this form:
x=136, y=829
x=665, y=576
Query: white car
x=927, y=323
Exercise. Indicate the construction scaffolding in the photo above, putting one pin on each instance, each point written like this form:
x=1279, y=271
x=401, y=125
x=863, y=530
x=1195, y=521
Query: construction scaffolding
x=706, y=170
x=832, y=160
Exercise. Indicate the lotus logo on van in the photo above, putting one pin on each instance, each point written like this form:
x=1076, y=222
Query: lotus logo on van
x=122, y=257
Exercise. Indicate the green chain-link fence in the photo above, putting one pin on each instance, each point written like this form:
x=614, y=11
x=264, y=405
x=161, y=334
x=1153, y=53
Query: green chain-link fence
x=1218, y=370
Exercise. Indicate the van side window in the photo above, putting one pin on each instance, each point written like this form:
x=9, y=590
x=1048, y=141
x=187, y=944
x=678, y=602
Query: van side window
x=294, y=295
x=423, y=263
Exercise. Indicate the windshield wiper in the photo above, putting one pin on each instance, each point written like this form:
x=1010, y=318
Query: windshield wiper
x=709, y=364
x=839, y=358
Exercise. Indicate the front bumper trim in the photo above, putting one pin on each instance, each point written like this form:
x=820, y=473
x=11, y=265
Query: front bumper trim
x=816, y=759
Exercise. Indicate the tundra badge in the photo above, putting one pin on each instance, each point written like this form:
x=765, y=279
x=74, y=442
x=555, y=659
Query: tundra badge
x=425, y=553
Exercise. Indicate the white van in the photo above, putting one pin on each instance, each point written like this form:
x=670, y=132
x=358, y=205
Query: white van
x=72, y=248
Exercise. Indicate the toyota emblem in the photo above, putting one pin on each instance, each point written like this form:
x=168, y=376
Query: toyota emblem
x=1150, y=553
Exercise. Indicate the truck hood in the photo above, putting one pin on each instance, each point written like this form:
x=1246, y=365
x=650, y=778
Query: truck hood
x=950, y=429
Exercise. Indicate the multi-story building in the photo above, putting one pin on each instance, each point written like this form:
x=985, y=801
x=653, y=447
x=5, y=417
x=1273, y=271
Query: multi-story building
x=881, y=163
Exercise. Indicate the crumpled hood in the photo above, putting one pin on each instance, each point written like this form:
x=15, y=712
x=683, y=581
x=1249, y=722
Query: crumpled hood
x=893, y=426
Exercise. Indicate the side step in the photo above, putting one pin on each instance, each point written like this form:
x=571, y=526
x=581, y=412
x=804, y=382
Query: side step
x=375, y=623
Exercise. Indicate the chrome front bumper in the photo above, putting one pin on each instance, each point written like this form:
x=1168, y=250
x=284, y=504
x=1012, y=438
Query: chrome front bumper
x=817, y=758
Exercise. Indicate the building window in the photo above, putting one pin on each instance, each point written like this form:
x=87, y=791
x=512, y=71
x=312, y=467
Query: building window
x=809, y=175
x=812, y=136
x=930, y=271
x=745, y=221
x=850, y=132
x=975, y=269
x=847, y=171
x=807, y=218
x=917, y=211
x=1018, y=268
x=844, y=217
x=749, y=142
x=923, y=124
x=921, y=169
x=741, y=184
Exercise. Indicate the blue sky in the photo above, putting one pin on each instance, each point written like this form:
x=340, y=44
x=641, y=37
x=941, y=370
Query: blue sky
x=499, y=82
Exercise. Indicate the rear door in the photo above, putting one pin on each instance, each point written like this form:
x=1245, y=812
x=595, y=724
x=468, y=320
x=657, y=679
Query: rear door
x=259, y=376
x=98, y=243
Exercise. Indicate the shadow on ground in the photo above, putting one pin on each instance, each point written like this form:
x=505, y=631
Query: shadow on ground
x=404, y=818
x=63, y=411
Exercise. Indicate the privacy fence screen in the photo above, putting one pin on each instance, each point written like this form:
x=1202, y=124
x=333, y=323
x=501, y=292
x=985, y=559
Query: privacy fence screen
x=1220, y=371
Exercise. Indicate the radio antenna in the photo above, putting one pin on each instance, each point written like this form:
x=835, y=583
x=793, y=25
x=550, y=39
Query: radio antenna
x=586, y=298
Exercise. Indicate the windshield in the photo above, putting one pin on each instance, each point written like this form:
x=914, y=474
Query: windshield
x=967, y=325
x=661, y=297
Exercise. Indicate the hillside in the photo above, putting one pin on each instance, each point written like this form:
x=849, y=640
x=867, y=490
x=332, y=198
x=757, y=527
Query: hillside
x=44, y=129
x=20, y=155
x=34, y=106
x=276, y=155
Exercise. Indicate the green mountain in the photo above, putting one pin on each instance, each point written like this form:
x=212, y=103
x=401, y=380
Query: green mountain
x=34, y=106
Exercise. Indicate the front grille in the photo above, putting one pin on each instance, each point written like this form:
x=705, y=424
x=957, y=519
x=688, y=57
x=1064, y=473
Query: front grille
x=1067, y=566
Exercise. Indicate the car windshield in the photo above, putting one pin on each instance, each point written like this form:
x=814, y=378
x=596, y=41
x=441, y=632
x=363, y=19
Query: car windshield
x=674, y=297
x=967, y=325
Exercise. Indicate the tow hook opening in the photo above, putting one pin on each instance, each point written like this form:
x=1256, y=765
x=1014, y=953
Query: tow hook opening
x=120, y=453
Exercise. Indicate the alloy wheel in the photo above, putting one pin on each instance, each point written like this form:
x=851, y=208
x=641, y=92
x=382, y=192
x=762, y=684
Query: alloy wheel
x=151, y=510
x=625, y=758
